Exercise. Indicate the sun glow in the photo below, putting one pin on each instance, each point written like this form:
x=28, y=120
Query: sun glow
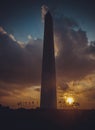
x=70, y=100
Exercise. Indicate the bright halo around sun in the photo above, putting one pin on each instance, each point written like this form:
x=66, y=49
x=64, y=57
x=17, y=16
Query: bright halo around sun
x=69, y=100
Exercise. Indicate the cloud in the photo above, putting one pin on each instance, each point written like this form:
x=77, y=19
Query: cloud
x=12, y=37
x=91, y=51
x=73, y=62
x=19, y=64
x=30, y=37
x=4, y=93
x=20, y=67
x=2, y=31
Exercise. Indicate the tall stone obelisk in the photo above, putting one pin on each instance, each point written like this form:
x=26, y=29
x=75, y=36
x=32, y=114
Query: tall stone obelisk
x=48, y=77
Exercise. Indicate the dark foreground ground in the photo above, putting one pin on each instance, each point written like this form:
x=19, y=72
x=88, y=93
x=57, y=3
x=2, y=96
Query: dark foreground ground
x=47, y=119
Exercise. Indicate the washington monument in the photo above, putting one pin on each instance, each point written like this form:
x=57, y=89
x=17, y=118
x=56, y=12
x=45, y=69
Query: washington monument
x=48, y=77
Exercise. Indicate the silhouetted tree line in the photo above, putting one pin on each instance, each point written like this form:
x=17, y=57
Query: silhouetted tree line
x=32, y=104
x=63, y=104
x=4, y=107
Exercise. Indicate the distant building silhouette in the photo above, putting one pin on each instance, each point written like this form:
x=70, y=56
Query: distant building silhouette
x=48, y=78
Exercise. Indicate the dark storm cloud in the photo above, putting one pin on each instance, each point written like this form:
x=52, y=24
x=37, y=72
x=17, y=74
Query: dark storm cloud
x=91, y=49
x=19, y=64
x=73, y=61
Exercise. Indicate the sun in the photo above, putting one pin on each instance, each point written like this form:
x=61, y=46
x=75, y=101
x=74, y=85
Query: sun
x=70, y=100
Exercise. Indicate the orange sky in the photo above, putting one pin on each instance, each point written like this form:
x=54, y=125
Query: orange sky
x=81, y=91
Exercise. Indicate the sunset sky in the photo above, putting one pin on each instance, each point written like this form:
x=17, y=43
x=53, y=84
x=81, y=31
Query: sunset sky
x=21, y=44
